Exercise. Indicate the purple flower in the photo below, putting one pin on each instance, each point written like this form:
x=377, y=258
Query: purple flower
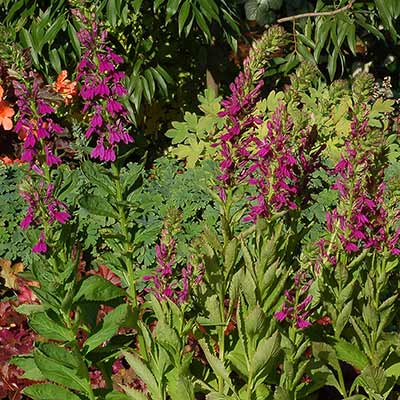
x=101, y=90
x=51, y=159
x=40, y=246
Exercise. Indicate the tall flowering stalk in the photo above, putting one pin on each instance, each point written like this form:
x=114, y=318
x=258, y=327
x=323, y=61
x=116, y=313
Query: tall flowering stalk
x=278, y=163
x=165, y=285
x=295, y=308
x=361, y=219
x=36, y=126
x=102, y=91
x=35, y=122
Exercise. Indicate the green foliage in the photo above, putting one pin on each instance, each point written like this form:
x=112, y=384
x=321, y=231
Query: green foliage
x=13, y=244
x=193, y=138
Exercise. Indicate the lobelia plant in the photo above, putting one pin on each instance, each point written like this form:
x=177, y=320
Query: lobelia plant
x=254, y=308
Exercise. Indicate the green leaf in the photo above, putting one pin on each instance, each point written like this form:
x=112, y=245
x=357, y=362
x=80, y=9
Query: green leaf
x=265, y=357
x=256, y=323
x=183, y=15
x=215, y=363
x=202, y=23
x=146, y=88
x=131, y=394
x=172, y=8
x=251, y=8
x=55, y=60
x=112, y=12
x=111, y=323
x=97, y=288
x=99, y=176
x=53, y=30
x=97, y=205
x=321, y=34
x=349, y=353
x=160, y=80
x=60, y=354
x=393, y=370
x=142, y=372
x=387, y=17
x=48, y=391
x=209, y=9
x=45, y=326
x=28, y=309
x=121, y=396
x=11, y=12
x=58, y=373
x=281, y=394
x=74, y=39
x=179, y=386
x=28, y=365
x=136, y=96
x=151, y=83
x=343, y=318
x=373, y=378
x=230, y=255
x=351, y=38
x=332, y=62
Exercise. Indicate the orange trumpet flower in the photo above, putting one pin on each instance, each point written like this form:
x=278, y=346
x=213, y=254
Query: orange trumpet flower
x=65, y=87
x=6, y=112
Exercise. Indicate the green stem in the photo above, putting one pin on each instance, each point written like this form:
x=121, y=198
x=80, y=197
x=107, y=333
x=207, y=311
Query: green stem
x=221, y=334
x=124, y=229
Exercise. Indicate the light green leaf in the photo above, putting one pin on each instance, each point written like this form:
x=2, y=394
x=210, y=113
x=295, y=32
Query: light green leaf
x=97, y=205
x=97, y=288
x=142, y=371
x=183, y=15
x=48, y=391
x=45, y=326
x=58, y=373
x=111, y=323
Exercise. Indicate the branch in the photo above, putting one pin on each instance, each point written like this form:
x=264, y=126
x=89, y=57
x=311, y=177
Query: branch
x=316, y=14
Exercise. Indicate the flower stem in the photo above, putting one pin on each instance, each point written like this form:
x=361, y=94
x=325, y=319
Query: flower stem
x=124, y=229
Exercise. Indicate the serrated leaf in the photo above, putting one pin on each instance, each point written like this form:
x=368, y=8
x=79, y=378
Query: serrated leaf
x=58, y=373
x=215, y=363
x=265, y=357
x=97, y=288
x=142, y=371
x=45, y=326
x=111, y=323
x=28, y=365
x=349, y=353
x=97, y=205
x=48, y=391
x=343, y=318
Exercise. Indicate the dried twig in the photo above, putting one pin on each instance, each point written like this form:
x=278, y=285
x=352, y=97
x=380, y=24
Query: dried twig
x=316, y=14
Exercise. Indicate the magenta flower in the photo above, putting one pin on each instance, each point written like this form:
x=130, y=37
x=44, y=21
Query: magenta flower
x=102, y=90
x=42, y=206
x=40, y=246
x=293, y=310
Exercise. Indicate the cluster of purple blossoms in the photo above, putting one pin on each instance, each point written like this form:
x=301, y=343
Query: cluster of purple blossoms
x=35, y=124
x=101, y=91
x=238, y=109
x=281, y=166
x=277, y=165
x=295, y=308
x=165, y=286
x=43, y=208
x=361, y=219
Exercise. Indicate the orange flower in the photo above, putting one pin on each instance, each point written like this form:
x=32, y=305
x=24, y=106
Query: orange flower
x=6, y=112
x=65, y=87
x=8, y=161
